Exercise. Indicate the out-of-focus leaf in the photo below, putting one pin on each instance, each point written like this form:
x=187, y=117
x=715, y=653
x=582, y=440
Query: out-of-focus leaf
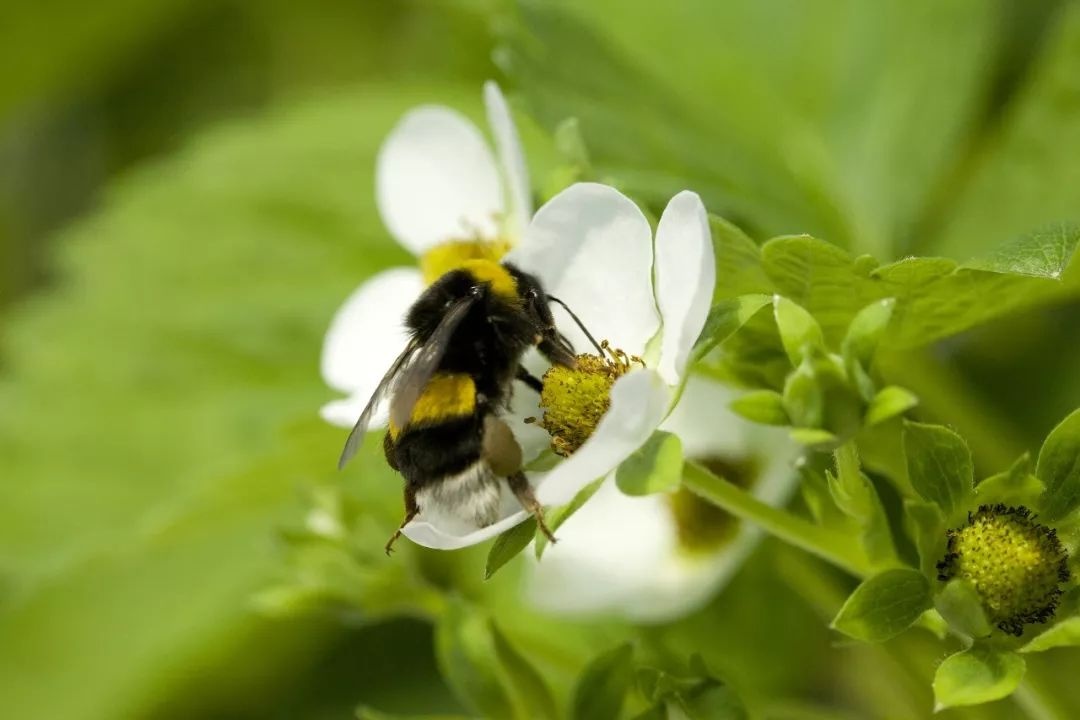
x=791, y=137
x=1027, y=178
x=532, y=694
x=762, y=406
x=725, y=317
x=977, y=675
x=601, y=691
x=654, y=467
x=468, y=660
x=1059, y=469
x=884, y=605
x=144, y=398
x=889, y=403
x=939, y=465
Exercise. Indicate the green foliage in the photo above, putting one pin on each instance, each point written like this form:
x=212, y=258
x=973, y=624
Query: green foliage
x=507, y=546
x=762, y=406
x=186, y=336
x=939, y=466
x=790, y=138
x=977, y=675
x=601, y=691
x=799, y=332
x=888, y=403
x=654, y=467
x=1016, y=486
x=1059, y=469
x=884, y=605
x=555, y=518
x=697, y=695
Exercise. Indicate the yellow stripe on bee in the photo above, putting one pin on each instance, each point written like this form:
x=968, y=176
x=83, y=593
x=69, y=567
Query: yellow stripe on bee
x=452, y=255
x=446, y=396
x=501, y=281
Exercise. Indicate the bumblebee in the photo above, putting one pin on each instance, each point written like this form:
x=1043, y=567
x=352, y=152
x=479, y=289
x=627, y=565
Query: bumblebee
x=468, y=332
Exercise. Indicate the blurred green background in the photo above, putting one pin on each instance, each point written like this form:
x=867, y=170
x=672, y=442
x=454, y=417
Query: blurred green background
x=186, y=197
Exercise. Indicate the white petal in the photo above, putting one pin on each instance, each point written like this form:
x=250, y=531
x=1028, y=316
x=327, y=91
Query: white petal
x=685, y=278
x=364, y=337
x=518, y=198
x=436, y=180
x=429, y=535
x=592, y=248
x=639, y=400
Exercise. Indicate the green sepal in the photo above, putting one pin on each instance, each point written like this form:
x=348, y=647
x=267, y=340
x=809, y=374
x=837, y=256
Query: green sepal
x=926, y=525
x=803, y=400
x=654, y=467
x=799, y=331
x=762, y=406
x=866, y=330
x=508, y=545
x=601, y=691
x=884, y=605
x=1059, y=469
x=1016, y=486
x=977, y=675
x=725, y=317
x=814, y=438
x=888, y=403
x=959, y=603
x=939, y=466
x=1065, y=633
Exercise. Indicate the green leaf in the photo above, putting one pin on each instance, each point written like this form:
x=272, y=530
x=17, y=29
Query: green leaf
x=977, y=675
x=959, y=603
x=789, y=138
x=884, y=605
x=1064, y=633
x=798, y=330
x=508, y=545
x=1026, y=172
x=192, y=307
x=857, y=498
x=555, y=518
x=654, y=467
x=1059, y=469
x=738, y=262
x=468, y=660
x=866, y=331
x=761, y=406
x=725, y=317
x=889, y=403
x=939, y=465
x=601, y=691
x=534, y=698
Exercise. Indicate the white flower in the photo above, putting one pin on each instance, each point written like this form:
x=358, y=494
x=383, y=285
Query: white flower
x=629, y=556
x=439, y=190
x=593, y=248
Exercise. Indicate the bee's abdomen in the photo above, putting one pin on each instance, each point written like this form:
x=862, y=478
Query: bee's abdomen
x=448, y=396
x=426, y=453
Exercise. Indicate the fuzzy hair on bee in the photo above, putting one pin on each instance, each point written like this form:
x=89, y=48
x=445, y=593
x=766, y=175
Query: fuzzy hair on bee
x=468, y=332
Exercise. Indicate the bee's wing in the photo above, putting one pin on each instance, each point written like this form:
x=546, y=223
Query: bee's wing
x=416, y=376
x=356, y=437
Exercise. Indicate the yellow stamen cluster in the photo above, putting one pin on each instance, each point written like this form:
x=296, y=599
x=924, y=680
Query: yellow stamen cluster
x=701, y=526
x=574, y=399
x=1016, y=565
x=451, y=255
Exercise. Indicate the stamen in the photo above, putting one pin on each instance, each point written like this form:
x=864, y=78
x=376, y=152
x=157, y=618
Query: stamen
x=574, y=399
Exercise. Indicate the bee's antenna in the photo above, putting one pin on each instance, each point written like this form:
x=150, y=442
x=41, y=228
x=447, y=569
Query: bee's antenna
x=580, y=324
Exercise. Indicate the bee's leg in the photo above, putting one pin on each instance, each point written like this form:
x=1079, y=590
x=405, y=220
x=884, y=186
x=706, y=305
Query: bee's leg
x=523, y=492
x=529, y=379
x=411, y=510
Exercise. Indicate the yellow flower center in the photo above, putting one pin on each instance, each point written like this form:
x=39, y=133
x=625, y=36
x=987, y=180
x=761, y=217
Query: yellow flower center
x=451, y=255
x=1016, y=565
x=701, y=526
x=574, y=399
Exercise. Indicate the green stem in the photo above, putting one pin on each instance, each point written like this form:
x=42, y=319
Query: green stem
x=1034, y=702
x=829, y=545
